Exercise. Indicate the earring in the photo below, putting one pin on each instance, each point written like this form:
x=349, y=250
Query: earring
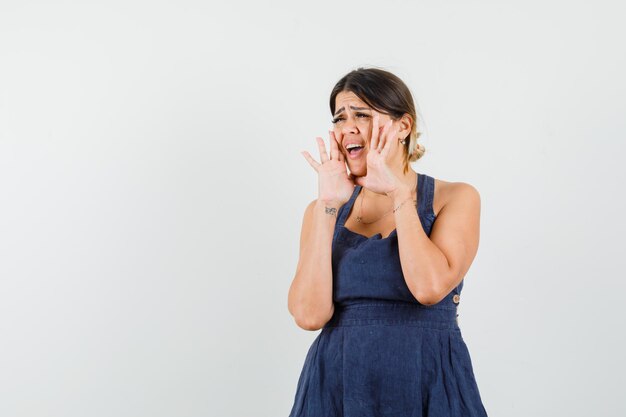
x=403, y=141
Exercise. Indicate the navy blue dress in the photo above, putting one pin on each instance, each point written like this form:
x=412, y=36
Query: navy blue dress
x=383, y=354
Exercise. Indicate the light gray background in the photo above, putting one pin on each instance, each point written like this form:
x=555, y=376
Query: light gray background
x=152, y=192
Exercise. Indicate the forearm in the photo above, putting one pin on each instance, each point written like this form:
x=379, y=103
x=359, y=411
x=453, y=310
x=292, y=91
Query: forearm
x=311, y=293
x=423, y=263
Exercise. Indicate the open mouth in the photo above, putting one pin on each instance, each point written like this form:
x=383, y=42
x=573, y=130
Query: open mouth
x=355, y=151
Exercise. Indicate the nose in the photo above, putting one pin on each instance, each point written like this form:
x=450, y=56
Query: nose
x=349, y=126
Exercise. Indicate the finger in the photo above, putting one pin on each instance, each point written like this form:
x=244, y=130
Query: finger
x=389, y=137
x=389, y=141
x=333, y=138
x=386, y=133
x=375, y=130
x=340, y=155
x=383, y=135
x=322, y=149
x=334, y=149
x=310, y=160
x=338, y=137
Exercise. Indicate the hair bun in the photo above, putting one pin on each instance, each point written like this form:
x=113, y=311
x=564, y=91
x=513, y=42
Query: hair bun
x=418, y=152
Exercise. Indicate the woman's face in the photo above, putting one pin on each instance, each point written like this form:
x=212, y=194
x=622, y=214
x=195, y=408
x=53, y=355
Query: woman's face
x=352, y=123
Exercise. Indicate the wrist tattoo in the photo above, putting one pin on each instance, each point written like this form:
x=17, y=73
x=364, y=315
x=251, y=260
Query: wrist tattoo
x=331, y=210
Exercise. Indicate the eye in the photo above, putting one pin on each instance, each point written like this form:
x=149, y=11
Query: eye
x=359, y=115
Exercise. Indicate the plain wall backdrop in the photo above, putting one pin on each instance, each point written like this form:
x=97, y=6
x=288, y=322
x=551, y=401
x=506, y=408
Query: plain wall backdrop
x=152, y=192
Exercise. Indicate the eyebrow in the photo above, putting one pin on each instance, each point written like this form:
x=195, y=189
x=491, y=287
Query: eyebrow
x=353, y=108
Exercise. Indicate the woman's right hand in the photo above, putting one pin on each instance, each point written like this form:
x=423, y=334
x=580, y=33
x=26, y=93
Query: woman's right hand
x=335, y=185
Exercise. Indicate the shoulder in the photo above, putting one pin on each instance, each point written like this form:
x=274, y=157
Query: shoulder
x=449, y=193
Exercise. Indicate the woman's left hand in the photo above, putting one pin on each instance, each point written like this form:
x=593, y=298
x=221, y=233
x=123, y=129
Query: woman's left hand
x=380, y=178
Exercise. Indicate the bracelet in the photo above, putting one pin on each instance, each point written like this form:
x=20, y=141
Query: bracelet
x=400, y=205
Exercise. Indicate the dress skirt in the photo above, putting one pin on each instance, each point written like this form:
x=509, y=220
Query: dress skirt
x=388, y=359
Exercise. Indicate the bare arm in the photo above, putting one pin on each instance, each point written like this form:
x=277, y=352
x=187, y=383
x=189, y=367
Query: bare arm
x=310, y=299
x=434, y=265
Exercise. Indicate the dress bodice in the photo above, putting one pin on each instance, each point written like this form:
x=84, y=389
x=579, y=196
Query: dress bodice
x=369, y=268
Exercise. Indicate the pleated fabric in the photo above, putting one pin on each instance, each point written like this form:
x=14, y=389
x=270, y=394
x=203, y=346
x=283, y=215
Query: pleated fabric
x=383, y=354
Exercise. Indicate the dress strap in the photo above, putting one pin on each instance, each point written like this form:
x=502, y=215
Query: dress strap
x=345, y=209
x=426, y=191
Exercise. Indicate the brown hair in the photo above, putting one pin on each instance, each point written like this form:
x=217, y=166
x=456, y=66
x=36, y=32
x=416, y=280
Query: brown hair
x=387, y=94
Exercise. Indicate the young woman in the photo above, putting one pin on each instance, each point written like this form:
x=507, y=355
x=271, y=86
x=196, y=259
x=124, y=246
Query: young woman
x=383, y=253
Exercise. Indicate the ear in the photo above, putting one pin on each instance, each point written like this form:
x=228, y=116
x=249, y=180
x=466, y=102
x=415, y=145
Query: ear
x=404, y=125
